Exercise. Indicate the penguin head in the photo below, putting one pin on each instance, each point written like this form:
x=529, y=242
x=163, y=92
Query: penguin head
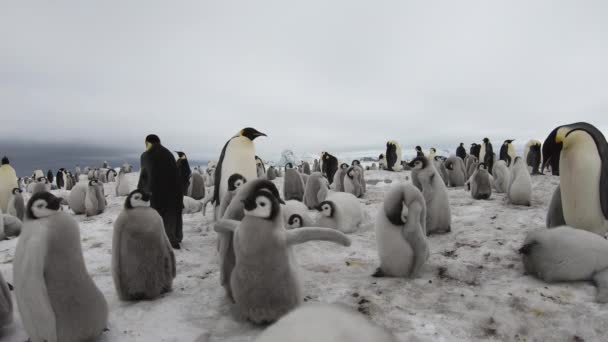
x=261, y=203
x=235, y=181
x=93, y=182
x=419, y=163
x=294, y=221
x=381, y=156
x=43, y=204
x=461, y=144
x=418, y=148
x=326, y=208
x=395, y=209
x=137, y=198
x=181, y=154
x=288, y=166
x=251, y=133
x=352, y=172
x=5, y=161
x=356, y=163
x=433, y=150
x=486, y=140
x=344, y=166
x=42, y=180
x=482, y=166
x=151, y=140
x=16, y=191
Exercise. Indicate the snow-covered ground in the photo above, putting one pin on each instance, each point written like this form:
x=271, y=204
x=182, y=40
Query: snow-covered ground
x=472, y=288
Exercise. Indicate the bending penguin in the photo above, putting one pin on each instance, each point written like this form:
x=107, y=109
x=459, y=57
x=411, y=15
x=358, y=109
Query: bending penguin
x=567, y=254
x=426, y=178
x=316, y=190
x=57, y=298
x=401, y=233
x=583, y=170
x=264, y=282
x=143, y=263
x=341, y=211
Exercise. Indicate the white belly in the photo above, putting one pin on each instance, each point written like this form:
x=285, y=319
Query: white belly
x=396, y=254
x=239, y=158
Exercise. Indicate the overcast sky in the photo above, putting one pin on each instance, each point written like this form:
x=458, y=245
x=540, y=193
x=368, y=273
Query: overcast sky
x=313, y=75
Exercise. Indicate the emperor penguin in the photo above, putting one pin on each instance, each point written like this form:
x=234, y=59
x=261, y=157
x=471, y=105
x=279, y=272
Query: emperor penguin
x=56, y=297
x=401, y=233
x=306, y=168
x=533, y=158
x=196, y=189
x=475, y=150
x=293, y=185
x=479, y=184
x=95, y=201
x=382, y=162
x=393, y=156
x=531, y=142
x=260, y=167
x=143, y=263
x=487, y=155
x=551, y=150
x=374, y=167
x=502, y=177
x=238, y=156
x=583, y=176
x=271, y=173
x=265, y=282
x=49, y=176
x=456, y=171
x=341, y=211
x=419, y=152
x=59, y=179
x=338, y=184
x=111, y=175
x=471, y=165
x=356, y=163
x=8, y=181
x=441, y=169
x=316, y=190
x=296, y=215
x=507, y=151
x=235, y=182
x=567, y=254
x=435, y=193
x=191, y=206
x=9, y=226
x=41, y=185
x=315, y=166
x=520, y=187
x=432, y=153
x=77, y=172
x=352, y=182
x=329, y=166
x=325, y=322
x=122, y=184
x=77, y=198
x=6, y=304
x=16, y=204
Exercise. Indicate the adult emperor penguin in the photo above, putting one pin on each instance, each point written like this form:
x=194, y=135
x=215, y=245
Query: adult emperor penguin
x=143, y=263
x=325, y=323
x=533, y=158
x=475, y=150
x=316, y=190
x=507, y=151
x=95, y=201
x=461, y=151
x=293, y=184
x=552, y=150
x=502, y=177
x=401, y=232
x=264, y=282
x=393, y=156
x=567, y=254
x=341, y=211
x=238, y=156
x=49, y=176
x=456, y=171
x=329, y=166
x=296, y=214
x=59, y=179
x=122, y=184
x=183, y=171
x=8, y=181
x=486, y=154
x=6, y=304
x=583, y=170
x=16, y=204
x=435, y=193
x=479, y=184
x=57, y=298
x=531, y=142
x=520, y=187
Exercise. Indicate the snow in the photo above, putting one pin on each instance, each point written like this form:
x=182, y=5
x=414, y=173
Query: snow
x=473, y=287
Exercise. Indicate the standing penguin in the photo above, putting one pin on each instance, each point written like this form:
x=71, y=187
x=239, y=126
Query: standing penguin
x=183, y=171
x=159, y=177
x=352, y=182
x=122, y=185
x=456, y=171
x=419, y=152
x=435, y=193
x=471, y=165
x=531, y=142
x=393, y=156
x=6, y=304
x=49, y=176
x=238, y=156
x=197, y=188
x=41, y=185
x=77, y=172
x=441, y=169
x=341, y=211
x=57, y=298
x=401, y=233
x=356, y=163
x=77, y=197
x=260, y=167
x=95, y=201
x=338, y=184
x=264, y=282
x=520, y=188
x=479, y=184
x=461, y=152
x=8, y=181
x=293, y=185
x=329, y=166
x=507, y=151
x=533, y=158
x=143, y=263
x=16, y=204
x=316, y=190
x=315, y=166
x=382, y=162
x=486, y=154
x=235, y=182
x=271, y=173
x=583, y=176
x=502, y=177
x=306, y=168
x=475, y=150
x=59, y=179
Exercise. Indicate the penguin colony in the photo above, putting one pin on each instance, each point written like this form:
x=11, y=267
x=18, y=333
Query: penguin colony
x=257, y=229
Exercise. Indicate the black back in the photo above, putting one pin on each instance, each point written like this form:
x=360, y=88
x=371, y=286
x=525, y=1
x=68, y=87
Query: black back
x=330, y=166
x=218, y=175
x=391, y=155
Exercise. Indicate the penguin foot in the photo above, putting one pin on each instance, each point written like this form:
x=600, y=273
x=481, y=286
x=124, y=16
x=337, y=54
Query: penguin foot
x=379, y=273
x=175, y=245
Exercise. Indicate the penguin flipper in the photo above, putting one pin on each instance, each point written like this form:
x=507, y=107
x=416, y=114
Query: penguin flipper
x=555, y=214
x=301, y=235
x=601, y=281
x=226, y=226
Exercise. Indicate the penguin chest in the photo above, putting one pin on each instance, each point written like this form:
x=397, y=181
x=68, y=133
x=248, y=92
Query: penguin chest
x=396, y=254
x=579, y=181
x=238, y=158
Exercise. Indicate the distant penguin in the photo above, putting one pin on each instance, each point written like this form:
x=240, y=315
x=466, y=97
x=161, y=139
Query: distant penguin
x=487, y=155
x=183, y=171
x=122, y=184
x=8, y=181
x=41, y=185
x=59, y=179
x=16, y=204
x=583, y=175
x=260, y=168
x=356, y=163
x=461, y=151
x=271, y=173
x=316, y=190
x=235, y=182
x=520, y=187
x=382, y=162
x=438, y=213
x=264, y=282
x=393, y=156
x=374, y=167
x=401, y=233
x=352, y=182
x=56, y=297
x=77, y=172
x=419, y=152
x=479, y=184
x=507, y=151
x=293, y=185
x=456, y=171
x=441, y=169
x=9, y=226
x=316, y=167
x=49, y=176
x=197, y=186
x=341, y=211
x=143, y=263
x=95, y=202
x=532, y=142
x=105, y=164
x=338, y=184
x=70, y=181
x=238, y=156
x=502, y=177
x=111, y=175
x=471, y=165
x=6, y=304
x=306, y=168
x=77, y=198
x=295, y=214
x=329, y=166
x=533, y=158
x=304, y=178
x=475, y=150
x=567, y=254
x=325, y=323
x=432, y=153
